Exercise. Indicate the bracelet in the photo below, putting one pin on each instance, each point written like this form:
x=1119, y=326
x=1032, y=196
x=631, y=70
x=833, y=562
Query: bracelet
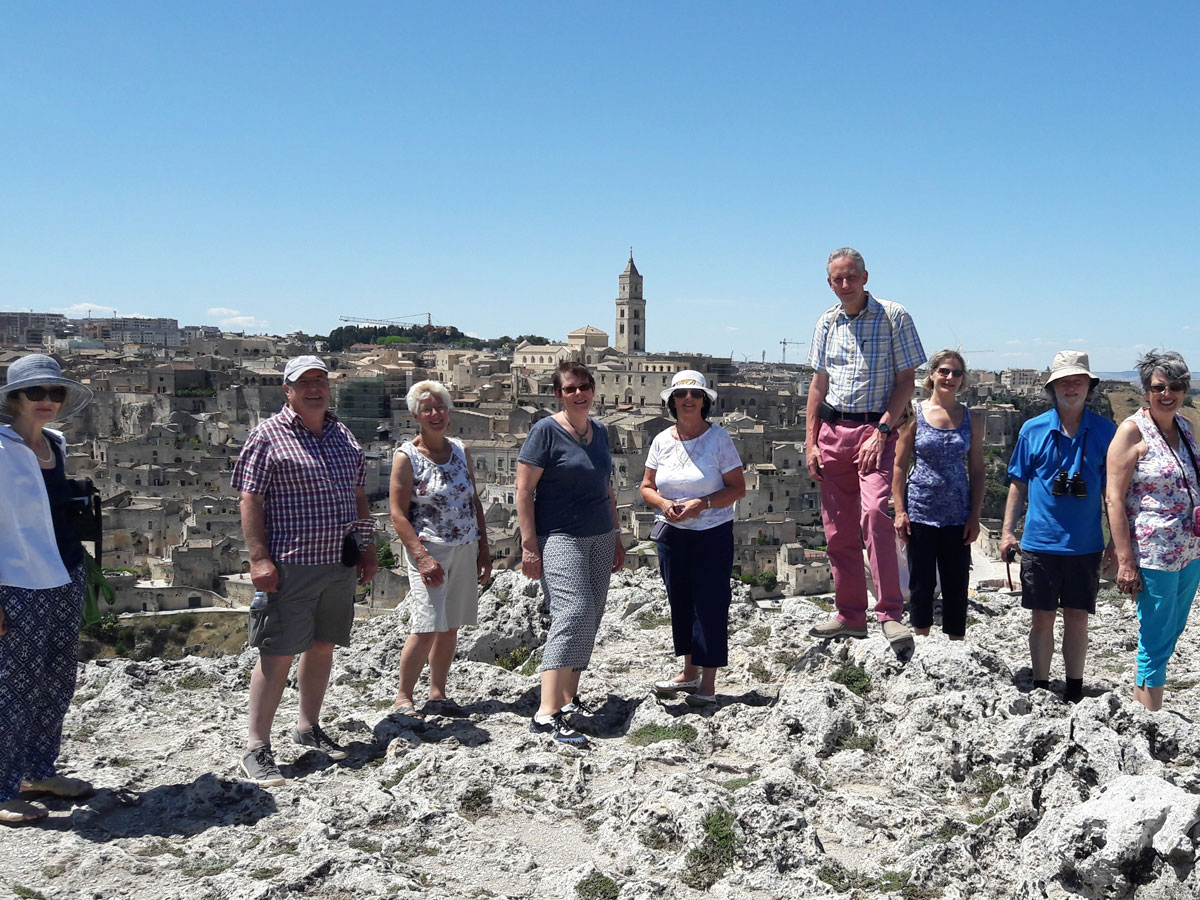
x=708, y=502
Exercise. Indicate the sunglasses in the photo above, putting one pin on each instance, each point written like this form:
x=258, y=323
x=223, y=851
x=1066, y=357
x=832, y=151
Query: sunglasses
x=694, y=393
x=1175, y=387
x=569, y=389
x=949, y=373
x=56, y=394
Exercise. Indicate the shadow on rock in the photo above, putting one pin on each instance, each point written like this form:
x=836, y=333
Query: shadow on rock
x=429, y=731
x=170, y=810
x=680, y=706
x=525, y=705
x=610, y=719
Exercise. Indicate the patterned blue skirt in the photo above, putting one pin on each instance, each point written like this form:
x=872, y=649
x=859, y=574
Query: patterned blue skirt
x=38, y=666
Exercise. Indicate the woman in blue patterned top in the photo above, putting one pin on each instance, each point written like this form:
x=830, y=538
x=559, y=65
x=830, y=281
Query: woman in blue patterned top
x=938, y=502
x=439, y=519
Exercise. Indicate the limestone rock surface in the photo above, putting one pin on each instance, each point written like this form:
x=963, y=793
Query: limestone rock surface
x=826, y=769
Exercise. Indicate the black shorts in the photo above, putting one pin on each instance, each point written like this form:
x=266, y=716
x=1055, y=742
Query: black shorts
x=1051, y=581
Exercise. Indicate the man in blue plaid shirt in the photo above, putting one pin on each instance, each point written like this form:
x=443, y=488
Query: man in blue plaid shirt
x=865, y=352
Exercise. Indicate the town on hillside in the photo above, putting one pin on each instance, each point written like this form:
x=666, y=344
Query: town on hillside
x=173, y=406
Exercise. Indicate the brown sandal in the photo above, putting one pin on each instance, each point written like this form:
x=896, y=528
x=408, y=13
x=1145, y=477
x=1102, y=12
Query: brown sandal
x=60, y=786
x=20, y=812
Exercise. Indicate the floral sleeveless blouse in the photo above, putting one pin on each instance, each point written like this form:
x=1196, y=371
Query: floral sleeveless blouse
x=938, y=491
x=442, y=509
x=1158, y=504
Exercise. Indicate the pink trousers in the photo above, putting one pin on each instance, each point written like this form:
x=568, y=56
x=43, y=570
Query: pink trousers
x=854, y=509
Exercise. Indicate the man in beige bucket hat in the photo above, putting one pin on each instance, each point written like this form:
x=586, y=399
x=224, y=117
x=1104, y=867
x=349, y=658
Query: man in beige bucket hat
x=1058, y=467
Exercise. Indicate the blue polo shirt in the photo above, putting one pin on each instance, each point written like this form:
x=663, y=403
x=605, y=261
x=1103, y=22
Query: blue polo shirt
x=1063, y=525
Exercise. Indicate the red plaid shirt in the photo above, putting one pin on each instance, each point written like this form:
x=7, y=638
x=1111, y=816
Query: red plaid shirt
x=308, y=484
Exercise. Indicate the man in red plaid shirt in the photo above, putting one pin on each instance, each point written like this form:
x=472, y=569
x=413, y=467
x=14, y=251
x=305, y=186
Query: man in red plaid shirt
x=309, y=533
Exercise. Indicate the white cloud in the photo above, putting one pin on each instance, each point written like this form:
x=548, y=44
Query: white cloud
x=243, y=323
x=82, y=310
x=1076, y=341
x=222, y=312
x=732, y=328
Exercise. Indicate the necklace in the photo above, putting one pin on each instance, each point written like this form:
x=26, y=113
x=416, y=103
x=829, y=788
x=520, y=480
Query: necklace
x=679, y=434
x=48, y=458
x=582, y=435
x=441, y=456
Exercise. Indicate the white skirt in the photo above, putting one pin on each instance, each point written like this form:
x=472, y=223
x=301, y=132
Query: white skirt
x=455, y=602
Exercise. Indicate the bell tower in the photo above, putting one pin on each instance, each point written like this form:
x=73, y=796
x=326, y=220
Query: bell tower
x=631, y=311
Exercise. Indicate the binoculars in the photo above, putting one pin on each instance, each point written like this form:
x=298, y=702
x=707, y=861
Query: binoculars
x=1073, y=486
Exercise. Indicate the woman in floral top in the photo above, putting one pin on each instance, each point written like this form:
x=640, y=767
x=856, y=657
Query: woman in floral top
x=1152, y=496
x=439, y=519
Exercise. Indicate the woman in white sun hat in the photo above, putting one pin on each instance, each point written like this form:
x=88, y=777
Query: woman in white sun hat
x=693, y=477
x=42, y=576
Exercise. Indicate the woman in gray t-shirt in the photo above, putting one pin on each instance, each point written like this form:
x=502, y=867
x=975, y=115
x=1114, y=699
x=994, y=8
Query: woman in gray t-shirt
x=570, y=539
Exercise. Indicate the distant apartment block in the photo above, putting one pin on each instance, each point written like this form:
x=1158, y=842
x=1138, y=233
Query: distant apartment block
x=133, y=330
x=30, y=327
x=1021, y=381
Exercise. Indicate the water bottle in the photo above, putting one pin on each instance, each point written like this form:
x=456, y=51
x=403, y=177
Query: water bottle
x=259, y=601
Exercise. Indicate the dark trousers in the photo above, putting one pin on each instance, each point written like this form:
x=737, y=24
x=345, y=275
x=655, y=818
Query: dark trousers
x=696, y=567
x=37, y=677
x=933, y=551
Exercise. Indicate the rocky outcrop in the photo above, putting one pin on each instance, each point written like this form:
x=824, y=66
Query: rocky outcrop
x=826, y=770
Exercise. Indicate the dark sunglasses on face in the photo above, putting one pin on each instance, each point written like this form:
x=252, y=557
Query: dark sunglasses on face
x=576, y=388
x=1175, y=387
x=950, y=373
x=694, y=393
x=56, y=394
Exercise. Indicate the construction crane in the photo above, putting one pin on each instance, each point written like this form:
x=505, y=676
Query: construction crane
x=396, y=321
x=784, y=344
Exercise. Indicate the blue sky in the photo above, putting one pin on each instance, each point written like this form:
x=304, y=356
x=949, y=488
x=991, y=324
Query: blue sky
x=1021, y=176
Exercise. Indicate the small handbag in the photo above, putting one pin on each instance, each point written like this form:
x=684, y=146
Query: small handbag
x=351, y=553
x=84, y=512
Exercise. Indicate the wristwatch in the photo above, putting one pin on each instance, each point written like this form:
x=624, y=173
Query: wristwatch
x=884, y=428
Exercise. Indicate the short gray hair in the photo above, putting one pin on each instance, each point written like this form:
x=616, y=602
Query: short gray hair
x=423, y=389
x=1168, y=362
x=846, y=253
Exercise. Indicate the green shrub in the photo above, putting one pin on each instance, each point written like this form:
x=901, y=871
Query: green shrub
x=648, y=618
x=531, y=664
x=196, y=681
x=513, y=659
x=856, y=740
x=759, y=635
x=713, y=858
x=652, y=734
x=474, y=803
x=853, y=677
x=786, y=658
x=760, y=671
x=597, y=887
x=656, y=839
